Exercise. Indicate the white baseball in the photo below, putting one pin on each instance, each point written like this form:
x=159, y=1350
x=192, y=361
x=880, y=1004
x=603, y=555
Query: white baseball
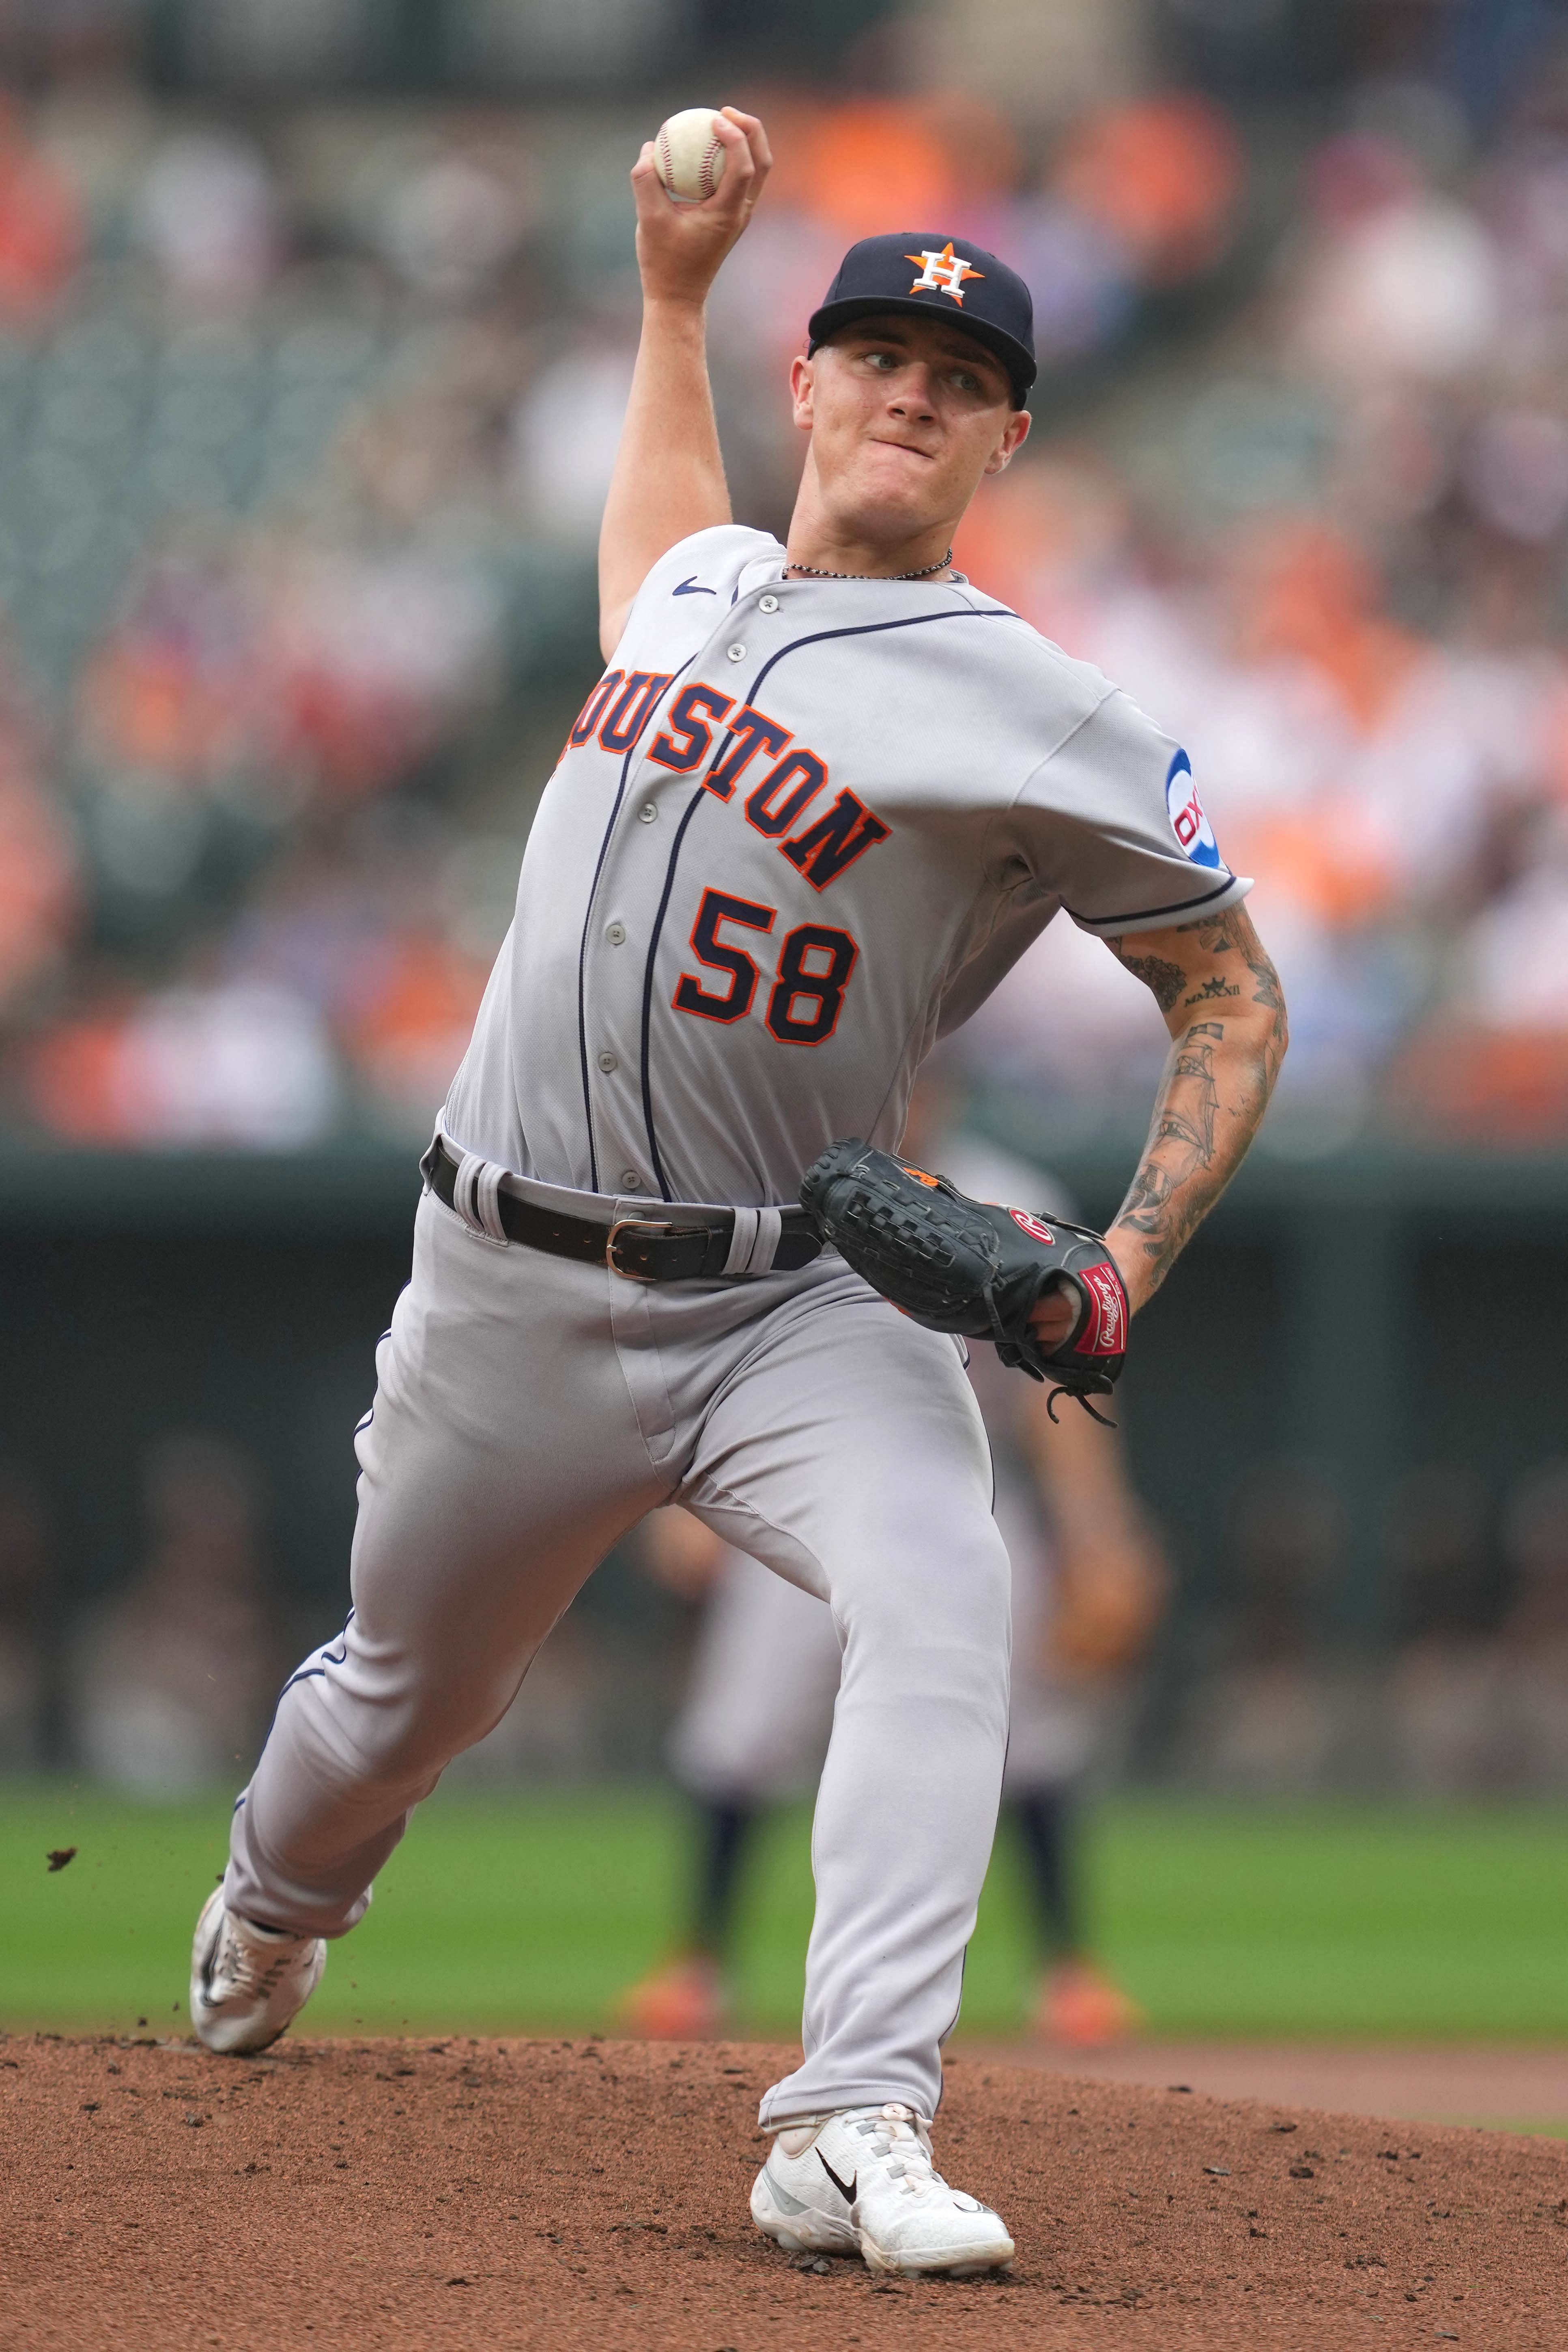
x=688, y=154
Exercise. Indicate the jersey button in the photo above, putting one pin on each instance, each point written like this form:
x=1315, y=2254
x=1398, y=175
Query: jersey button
x=616, y=934
x=647, y=813
x=608, y=1062
x=767, y=603
x=630, y=1180
x=737, y=653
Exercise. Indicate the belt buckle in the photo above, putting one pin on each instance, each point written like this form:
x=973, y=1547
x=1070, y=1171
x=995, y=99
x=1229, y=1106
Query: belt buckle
x=634, y=1226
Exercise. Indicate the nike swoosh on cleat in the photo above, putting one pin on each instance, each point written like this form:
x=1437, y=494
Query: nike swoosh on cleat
x=692, y=587
x=847, y=2193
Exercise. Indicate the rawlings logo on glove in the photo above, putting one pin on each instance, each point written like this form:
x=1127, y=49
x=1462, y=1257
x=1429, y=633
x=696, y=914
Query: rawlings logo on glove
x=968, y=1267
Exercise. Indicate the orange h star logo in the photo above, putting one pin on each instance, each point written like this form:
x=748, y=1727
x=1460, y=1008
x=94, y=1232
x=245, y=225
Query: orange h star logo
x=942, y=272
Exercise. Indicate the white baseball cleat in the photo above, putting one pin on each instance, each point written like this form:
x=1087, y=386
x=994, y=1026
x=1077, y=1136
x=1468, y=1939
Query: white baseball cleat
x=862, y=2181
x=247, y=1981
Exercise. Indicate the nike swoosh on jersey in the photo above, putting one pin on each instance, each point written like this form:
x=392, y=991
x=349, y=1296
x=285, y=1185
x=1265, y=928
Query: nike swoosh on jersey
x=847, y=2194
x=693, y=587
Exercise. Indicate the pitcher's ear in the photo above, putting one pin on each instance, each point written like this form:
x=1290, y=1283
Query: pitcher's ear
x=802, y=384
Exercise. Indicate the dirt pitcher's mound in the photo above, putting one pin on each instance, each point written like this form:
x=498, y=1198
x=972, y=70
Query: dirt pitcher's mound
x=593, y=2194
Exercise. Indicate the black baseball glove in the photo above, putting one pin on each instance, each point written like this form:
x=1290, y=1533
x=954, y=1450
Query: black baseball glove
x=963, y=1266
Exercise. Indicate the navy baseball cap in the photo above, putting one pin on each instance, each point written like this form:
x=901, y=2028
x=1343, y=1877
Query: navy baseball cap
x=918, y=271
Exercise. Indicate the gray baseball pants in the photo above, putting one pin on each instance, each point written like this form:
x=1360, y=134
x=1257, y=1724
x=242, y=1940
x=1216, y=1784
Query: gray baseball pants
x=529, y=1409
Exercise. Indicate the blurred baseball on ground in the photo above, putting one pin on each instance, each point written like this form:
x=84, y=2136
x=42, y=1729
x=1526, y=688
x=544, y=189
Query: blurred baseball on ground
x=688, y=154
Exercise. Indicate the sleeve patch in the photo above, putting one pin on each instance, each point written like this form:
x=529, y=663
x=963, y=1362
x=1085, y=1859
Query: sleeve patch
x=1194, y=832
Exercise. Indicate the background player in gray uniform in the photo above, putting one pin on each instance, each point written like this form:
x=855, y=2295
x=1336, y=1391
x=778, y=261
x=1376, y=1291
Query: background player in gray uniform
x=1088, y=1582
x=821, y=800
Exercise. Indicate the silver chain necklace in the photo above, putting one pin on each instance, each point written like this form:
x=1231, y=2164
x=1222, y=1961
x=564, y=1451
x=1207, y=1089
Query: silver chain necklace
x=812, y=571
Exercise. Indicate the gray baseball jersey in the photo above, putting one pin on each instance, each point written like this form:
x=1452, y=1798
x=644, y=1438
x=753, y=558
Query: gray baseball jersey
x=800, y=829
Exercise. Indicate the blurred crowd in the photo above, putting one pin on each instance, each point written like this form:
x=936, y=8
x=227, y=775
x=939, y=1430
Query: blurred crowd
x=1464, y=1689
x=306, y=414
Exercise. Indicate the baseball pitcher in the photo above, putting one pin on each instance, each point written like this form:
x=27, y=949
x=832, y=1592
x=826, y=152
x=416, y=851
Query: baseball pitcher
x=821, y=798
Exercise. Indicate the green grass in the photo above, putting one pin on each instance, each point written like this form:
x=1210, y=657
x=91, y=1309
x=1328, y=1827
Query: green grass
x=532, y=1911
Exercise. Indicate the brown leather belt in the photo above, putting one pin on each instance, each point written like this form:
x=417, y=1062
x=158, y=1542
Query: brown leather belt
x=674, y=1246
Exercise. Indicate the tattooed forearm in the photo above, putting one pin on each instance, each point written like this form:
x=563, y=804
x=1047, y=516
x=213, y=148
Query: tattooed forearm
x=1216, y=1084
x=1165, y=1202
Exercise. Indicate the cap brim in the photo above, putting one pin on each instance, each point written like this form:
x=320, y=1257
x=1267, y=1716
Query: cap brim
x=1015, y=358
